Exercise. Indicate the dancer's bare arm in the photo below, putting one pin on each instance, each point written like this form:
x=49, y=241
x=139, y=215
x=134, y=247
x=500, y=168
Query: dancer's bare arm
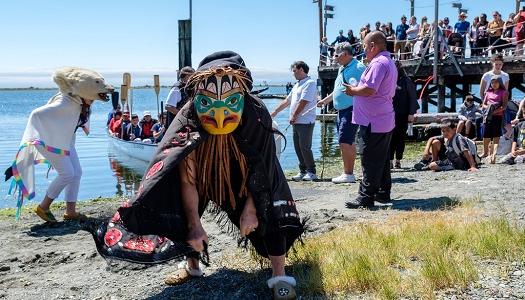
x=190, y=202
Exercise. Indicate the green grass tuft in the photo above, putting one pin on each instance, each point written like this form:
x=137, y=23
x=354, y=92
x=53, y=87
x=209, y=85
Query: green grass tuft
x=413, y=254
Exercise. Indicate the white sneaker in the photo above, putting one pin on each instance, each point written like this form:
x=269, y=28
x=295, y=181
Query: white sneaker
x=309, y=177
x=299, y=176
x=344, y=178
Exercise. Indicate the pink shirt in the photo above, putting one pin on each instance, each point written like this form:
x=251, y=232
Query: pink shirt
x=377, y=110
x=495, y=97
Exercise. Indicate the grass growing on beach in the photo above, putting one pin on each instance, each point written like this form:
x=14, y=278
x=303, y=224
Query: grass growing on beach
x=59, y=205
x=412, y=254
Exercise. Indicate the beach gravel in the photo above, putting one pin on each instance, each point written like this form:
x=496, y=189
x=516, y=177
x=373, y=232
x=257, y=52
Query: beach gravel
x=38, y=261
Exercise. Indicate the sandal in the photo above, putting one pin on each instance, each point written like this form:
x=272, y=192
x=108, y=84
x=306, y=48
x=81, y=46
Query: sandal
x=282, y=287
x=45, y=215
x=182, y=275
x=76, y=217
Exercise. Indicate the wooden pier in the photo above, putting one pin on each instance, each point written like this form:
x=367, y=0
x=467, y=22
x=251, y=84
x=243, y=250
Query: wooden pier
x=450, y=82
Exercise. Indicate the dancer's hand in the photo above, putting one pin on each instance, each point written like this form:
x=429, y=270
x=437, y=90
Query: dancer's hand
x=248, y=222
x=196, y=237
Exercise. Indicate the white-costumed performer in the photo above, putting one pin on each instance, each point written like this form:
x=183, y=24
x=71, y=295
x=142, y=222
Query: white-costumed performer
x=50, y=138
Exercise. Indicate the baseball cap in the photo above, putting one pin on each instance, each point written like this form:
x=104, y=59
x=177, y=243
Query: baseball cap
x=147, y=113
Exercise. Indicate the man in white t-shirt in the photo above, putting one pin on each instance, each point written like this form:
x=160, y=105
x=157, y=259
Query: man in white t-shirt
x=497, y=65
x=177, y=96
x=302, y=101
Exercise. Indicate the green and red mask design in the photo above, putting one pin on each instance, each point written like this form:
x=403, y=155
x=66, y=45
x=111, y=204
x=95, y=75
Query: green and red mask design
x=219, y=103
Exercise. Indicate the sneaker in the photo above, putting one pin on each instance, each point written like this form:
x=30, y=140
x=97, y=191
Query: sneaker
x=397, y=165
x=355, y=204
x=299, y=176
x=421, y=164
x=344, y=178
x=309, y=177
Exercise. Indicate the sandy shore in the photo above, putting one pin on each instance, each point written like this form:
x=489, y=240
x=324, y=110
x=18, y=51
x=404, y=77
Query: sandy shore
x=60, y=262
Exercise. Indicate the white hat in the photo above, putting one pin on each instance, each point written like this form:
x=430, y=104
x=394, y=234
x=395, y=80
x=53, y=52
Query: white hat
x=147, y=113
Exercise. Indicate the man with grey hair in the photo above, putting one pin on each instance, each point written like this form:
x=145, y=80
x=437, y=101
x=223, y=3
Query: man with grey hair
x=349, y=73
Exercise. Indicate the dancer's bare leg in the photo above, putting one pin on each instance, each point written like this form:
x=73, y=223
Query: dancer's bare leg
x=46, y=203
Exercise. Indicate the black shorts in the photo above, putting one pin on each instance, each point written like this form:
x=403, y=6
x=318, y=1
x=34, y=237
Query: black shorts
x=492, y=128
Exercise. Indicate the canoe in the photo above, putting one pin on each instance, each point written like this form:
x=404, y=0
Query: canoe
x=146, y=152
x=138, y=150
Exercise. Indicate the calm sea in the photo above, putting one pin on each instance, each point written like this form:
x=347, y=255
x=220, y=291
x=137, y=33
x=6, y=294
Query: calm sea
x=105, y=173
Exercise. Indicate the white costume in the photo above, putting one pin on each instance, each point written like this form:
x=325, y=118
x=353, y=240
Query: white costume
x=49, y=136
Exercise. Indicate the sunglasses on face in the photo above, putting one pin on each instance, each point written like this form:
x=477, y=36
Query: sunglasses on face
x=338, y=54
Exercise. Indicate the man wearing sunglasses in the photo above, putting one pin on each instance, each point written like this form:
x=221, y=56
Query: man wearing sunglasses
x=349, y=72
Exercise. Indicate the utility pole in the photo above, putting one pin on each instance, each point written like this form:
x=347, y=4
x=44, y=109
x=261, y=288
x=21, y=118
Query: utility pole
x=412, y=8
x=518, y=2
x=436, y=41
x=320, y=6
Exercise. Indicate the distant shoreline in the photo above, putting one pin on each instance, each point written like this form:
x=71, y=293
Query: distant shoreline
x=135, y=87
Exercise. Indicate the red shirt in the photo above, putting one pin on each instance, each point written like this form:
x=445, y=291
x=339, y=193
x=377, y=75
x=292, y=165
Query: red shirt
x=520, y=24
x=115, y=125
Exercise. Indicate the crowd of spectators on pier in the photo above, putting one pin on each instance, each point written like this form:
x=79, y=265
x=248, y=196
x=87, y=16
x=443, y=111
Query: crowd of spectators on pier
x=467, y=37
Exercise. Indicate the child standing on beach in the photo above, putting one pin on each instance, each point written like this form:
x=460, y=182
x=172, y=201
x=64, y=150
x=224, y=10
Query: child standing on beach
x=467, y=115
x=494, y=103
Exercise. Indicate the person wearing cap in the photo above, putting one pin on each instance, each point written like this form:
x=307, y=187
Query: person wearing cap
x=178, y=95
x=146, y=124
x=447, y=28
x=349, y=72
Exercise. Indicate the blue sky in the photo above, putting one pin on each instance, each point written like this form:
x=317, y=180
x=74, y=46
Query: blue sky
x=141, y=36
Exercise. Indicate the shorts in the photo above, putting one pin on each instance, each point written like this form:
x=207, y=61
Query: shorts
x=444, y=165
x=346, y=130
x=492, y=128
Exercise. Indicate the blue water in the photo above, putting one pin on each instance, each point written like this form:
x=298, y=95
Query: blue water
x=106, y=173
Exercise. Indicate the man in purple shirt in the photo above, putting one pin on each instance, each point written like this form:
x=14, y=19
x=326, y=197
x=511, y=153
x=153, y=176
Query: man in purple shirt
x=374, y=113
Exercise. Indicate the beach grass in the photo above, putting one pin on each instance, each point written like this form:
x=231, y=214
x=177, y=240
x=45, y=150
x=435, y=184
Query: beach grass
x=10, y=212
x=412, y=254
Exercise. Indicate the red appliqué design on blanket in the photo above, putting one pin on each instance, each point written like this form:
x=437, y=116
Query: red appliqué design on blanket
x=154, y=169
x=112, y=237
x=140, y=244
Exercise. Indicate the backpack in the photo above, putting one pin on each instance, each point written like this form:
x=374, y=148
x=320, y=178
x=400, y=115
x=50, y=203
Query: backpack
x=472, y=148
